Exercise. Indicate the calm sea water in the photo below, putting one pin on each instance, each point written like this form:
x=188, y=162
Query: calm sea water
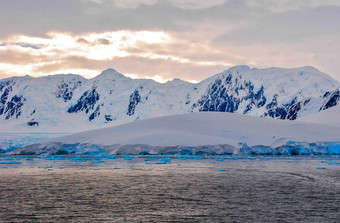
x=275, y=190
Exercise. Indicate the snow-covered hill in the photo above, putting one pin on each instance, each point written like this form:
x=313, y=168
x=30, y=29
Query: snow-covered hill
x=330, y=116
x=71, y=103
x=208, y=132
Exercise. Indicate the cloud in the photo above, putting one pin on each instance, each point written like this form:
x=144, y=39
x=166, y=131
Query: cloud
x=290, y=5
x=133, y=3
x=82, y=40
x=143, y=53
x=84, y=16
x=166, y=68
x=103, y=41
x=11, y=56
x=288, y=26
x=185, y=4
x=100, y=41
x=29, y=45
x=189, y=39
x=79, y=16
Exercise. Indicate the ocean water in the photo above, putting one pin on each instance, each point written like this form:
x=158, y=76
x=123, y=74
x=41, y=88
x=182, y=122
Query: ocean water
x=258, y=189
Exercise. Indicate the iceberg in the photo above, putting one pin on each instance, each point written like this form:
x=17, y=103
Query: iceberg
x=164, y=160
x=333, y=163
x=10, y=162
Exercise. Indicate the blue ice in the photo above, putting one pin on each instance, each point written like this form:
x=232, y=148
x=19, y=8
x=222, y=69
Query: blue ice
x=333, y=163
x=150, y=159
x=78, y=159
x=97, y=161
x=321, y=168
x=164, y=160
x=335, y=149
x=196, y=157
x=111, y=157
x=55, y=158
x=11, y=162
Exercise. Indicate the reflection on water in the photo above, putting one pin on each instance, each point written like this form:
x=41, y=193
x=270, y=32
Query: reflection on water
x=289, y=190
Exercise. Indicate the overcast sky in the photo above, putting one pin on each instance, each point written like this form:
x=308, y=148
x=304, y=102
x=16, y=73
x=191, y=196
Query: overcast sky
x=164, y=39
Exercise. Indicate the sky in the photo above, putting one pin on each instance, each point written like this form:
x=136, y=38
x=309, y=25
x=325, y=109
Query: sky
x=165, y=39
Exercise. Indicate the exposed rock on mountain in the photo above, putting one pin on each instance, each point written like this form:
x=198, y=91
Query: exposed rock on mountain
x=72, y=103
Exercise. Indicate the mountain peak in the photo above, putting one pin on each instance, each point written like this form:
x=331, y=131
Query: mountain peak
x=240, y=68
x=177, y=81
x=310, y=69
x=73, y=102
x=110, y=73
x=109, y=70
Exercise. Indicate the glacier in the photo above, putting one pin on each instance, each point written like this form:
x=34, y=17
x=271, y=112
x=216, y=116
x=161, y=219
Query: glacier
x=201, y=133
x=320, y=148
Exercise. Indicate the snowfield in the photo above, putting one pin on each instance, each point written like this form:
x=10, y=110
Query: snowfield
x=330, y=116
x=196, y=133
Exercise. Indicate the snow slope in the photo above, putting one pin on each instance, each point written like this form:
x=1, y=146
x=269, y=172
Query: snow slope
x=71, y=103
x=209, y=129
x=330, y=116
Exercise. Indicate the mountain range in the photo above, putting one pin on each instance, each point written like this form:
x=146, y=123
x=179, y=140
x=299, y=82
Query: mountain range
x=72, y=103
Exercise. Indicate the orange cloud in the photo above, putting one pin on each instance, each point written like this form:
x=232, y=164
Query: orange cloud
x=144, y=53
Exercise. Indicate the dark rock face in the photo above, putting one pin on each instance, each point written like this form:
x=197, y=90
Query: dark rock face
x=227, y=93
x=292, y=109
x=95, y=114
x=224, y=95
x=256, y=100
x=231, y=91
x=332, y=99
x=86, y=102
x=13, y=108
x=135, y=98
x=109, y=118
x=10, y=108
x=66, y=89
x=5, y=89
x=6, y=84
x=275, y=110
x=32, y=123
x=285, y=111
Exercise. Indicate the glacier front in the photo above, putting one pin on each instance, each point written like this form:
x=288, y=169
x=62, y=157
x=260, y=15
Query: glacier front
x=197, y=134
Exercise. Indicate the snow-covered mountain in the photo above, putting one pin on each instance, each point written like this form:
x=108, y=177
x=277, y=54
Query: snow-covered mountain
x=71, y=103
